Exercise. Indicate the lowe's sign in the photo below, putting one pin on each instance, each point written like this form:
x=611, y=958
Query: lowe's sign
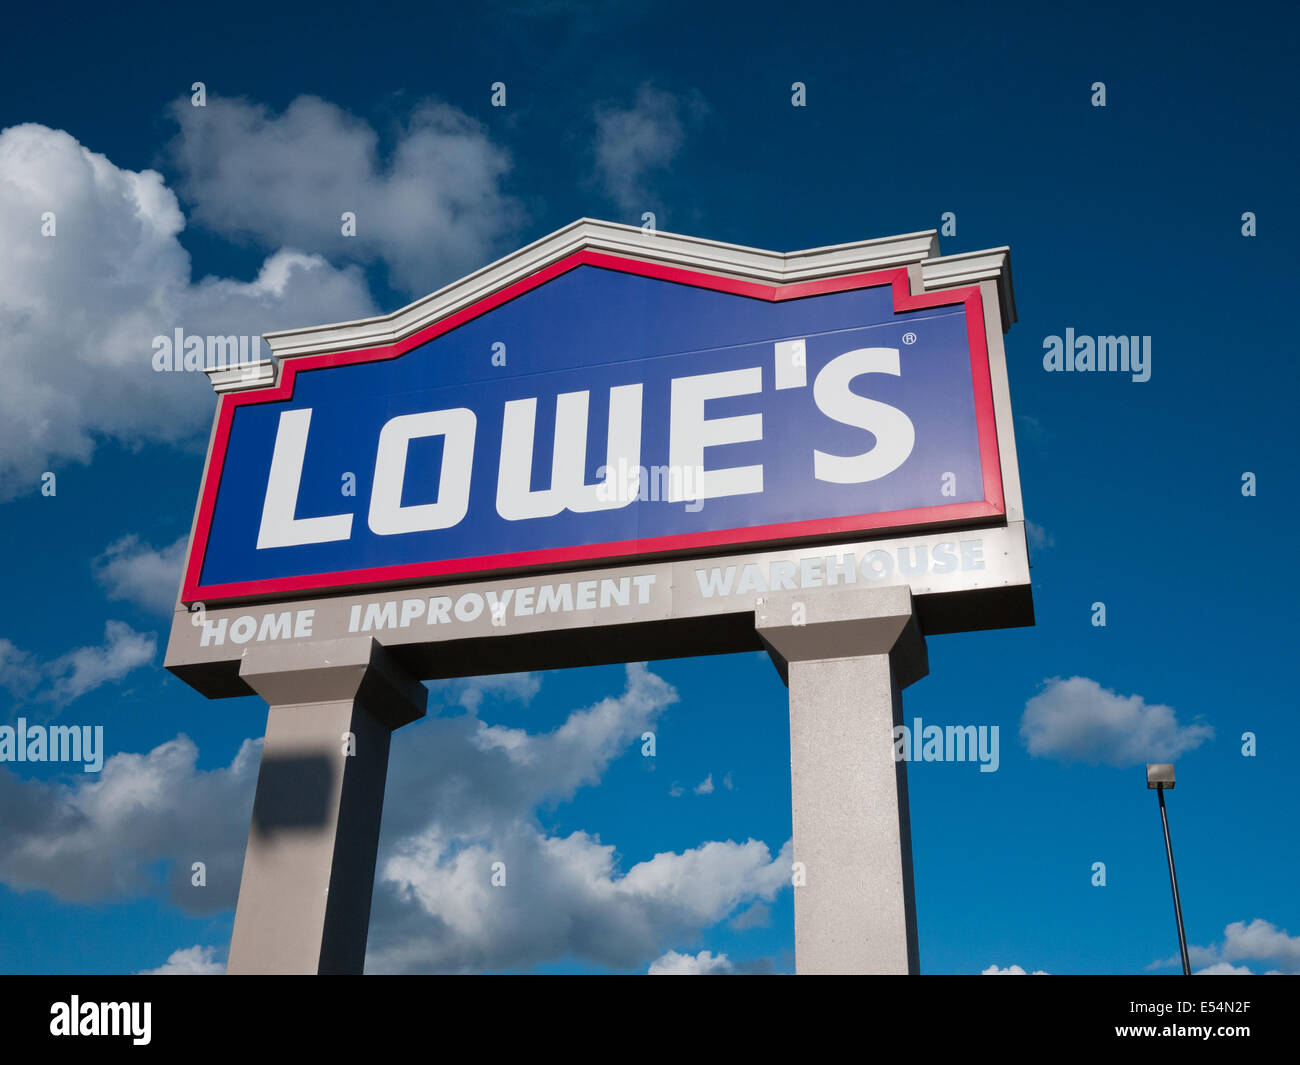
x=613, y=445
x=604, y=408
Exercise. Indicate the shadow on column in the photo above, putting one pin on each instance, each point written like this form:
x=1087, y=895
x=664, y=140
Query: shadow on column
x=292, y=793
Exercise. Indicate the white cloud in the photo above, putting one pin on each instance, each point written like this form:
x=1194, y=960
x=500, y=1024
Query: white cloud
x=1262, y=941
x=1255, y=941
x=102, y=837
x=77, y=672
x=1010, y=970
x=705, y=786
x=1079, y=720
x=1224, y=968
x=705, y=963
x=145, y=575
x=637, y=143
x=1038, y=536
x=728, y=783
x=80, y=309
x=712, y=880
x=432, y=209
x=563, y=897
x=189, y=961
x=74, y=674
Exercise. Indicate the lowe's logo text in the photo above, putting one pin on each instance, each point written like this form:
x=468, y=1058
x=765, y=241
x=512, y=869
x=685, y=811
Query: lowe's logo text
x=890, y=437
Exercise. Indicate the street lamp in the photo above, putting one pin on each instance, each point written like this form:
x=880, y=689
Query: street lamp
x=1159, y=777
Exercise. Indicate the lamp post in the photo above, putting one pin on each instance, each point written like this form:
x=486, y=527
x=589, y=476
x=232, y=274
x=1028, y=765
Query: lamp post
x=1159, y=777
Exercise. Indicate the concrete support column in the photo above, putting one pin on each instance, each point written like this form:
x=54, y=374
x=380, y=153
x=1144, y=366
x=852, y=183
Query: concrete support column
x=846, y=654
x=309, y=870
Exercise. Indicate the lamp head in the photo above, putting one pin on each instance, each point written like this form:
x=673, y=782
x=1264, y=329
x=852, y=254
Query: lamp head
x=1160, y=776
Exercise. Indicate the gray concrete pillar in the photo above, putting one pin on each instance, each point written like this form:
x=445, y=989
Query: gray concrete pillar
x=309, y=870
x=846, y=654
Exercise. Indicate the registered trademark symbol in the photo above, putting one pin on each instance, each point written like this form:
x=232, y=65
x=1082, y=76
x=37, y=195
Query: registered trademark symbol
x=909, y=338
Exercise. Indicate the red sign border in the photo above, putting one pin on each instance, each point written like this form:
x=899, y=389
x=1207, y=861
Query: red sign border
x=991, y=507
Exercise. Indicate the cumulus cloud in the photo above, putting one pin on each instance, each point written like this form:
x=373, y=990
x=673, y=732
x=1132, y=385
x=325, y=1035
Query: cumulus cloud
x=1224, y=968
x=104, y=836
x=463, y=797
x=705, y=786
x=79, y=309
x=636, y=144
x=1256, y=941
x=563, y=897
x=1010, y=970
x=77, y=672
x=1079, y=720
x=432, y=207
x=189, y=961
x=705, y=963
x=144, y=575
x=1261, y=940
x=1038, y=536
x=80, y=671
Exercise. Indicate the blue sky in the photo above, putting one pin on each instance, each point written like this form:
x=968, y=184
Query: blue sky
x=1122, y=219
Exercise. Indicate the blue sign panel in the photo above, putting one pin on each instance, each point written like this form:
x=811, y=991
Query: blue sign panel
x=604, y=408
